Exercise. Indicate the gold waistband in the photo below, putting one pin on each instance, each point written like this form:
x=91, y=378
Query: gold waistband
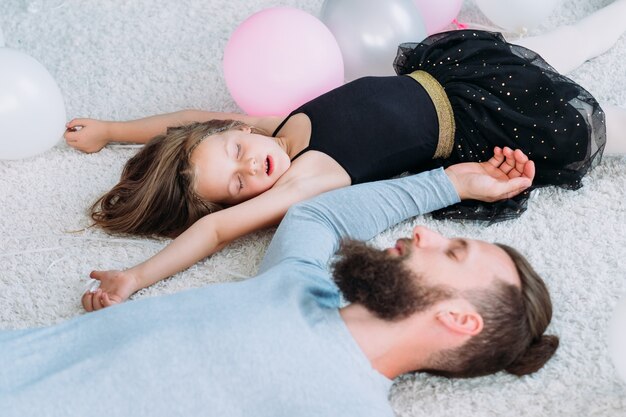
x=444, y=112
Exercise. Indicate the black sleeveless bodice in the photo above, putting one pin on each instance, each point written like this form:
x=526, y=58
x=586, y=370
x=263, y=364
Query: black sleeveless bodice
x=374, y=127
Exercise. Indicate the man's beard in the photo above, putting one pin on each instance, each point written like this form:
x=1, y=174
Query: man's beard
x=381, y=283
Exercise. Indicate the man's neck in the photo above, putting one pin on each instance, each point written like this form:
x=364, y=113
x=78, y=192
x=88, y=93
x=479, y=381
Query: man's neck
x=392, y=347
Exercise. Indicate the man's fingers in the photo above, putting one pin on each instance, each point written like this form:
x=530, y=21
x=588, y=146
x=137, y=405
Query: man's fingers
x=515, y=186
x=509, y=160
x=497, y=158
x=514, y=173
x=520, y=161
x=529, y=170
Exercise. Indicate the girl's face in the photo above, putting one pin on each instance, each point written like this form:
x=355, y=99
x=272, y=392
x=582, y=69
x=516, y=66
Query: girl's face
x=237, y=165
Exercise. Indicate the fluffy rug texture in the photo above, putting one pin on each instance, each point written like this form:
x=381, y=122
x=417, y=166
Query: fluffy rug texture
x=121, y=60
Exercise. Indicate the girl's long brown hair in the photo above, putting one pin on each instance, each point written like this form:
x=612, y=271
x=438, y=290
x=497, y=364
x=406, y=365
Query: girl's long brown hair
x=155, y=195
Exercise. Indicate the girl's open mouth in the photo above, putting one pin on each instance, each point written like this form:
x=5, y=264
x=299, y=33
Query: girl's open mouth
x=269, y=165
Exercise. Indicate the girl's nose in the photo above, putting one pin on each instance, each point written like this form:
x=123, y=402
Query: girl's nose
x=251, y=167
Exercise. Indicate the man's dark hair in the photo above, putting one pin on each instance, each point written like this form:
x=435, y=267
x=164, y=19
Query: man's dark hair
x=514, y=321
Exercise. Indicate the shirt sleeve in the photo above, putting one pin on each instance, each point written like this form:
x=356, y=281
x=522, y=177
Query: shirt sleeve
x=311, y=231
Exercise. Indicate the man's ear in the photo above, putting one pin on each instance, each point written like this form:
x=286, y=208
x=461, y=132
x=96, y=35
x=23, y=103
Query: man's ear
x=461, y=320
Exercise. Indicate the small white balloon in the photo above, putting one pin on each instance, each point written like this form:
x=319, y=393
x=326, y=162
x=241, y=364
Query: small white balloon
x=32, y=111
x=617, y=338
x=517, y=15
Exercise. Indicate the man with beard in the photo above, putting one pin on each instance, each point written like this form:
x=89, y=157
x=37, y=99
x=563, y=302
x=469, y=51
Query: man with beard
x=282, y=344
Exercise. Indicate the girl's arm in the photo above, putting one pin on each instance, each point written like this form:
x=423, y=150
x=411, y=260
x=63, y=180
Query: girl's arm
x=91, y=135
x=216, y=230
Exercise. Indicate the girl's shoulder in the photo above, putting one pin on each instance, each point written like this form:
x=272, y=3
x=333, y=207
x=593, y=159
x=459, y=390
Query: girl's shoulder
x=268, y=124
x=315, y=167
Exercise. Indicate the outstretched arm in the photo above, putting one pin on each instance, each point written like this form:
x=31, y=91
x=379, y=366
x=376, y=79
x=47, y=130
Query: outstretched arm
x=210, y=234
x=91, y=135
x=312, y=230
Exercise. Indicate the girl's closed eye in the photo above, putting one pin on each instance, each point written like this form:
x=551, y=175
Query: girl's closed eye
x=238, y=154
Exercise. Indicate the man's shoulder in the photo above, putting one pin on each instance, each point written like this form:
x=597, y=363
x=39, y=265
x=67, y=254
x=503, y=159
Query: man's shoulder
x=299, y=270
x=306, y=275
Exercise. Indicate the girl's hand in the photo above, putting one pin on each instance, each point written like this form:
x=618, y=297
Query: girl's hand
x=115, y=287
x=505, y=175
x=87, y=135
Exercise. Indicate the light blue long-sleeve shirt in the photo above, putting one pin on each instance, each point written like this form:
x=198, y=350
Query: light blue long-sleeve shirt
x=274, y=345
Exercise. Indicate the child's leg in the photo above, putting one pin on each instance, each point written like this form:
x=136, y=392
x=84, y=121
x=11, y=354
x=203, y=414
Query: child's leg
x=615, y=129
x=567, y=47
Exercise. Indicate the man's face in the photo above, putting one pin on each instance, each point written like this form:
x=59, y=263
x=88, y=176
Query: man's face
x=418, y=272
x=459, y=264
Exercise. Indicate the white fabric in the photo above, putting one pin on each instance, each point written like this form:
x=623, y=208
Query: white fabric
x=117, y=60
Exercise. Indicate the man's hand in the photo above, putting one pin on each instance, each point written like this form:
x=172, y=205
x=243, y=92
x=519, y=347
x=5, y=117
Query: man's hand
x=505, y=175
x=115, y=287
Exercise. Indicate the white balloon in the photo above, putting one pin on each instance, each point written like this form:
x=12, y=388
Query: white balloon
x=617, y=338
x=517, y=15
x=32, y=111
x=369, y=31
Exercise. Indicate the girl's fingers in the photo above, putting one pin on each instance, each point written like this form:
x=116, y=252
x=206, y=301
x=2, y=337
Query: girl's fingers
x=97, y=305
x=105, y=300
x=96, y=275
x=74, y=126
x=87, y=301
x=75, y=122
x=71, y=136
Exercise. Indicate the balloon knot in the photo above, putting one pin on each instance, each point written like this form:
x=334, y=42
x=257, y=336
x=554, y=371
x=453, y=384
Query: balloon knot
x=459, y=25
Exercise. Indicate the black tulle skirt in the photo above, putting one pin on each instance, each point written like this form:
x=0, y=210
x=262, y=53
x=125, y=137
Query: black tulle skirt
x=507, y=95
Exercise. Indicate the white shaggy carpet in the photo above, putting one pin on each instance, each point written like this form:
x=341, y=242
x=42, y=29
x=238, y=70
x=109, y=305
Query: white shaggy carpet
x=117, y=59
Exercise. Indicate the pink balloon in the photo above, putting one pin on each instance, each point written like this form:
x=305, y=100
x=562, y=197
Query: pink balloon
x=438, y=14
x=280, y=58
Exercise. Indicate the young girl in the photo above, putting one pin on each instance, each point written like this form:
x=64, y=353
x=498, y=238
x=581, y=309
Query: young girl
x=460, y=95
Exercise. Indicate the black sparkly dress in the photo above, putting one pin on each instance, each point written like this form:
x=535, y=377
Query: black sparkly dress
x=506, y=95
